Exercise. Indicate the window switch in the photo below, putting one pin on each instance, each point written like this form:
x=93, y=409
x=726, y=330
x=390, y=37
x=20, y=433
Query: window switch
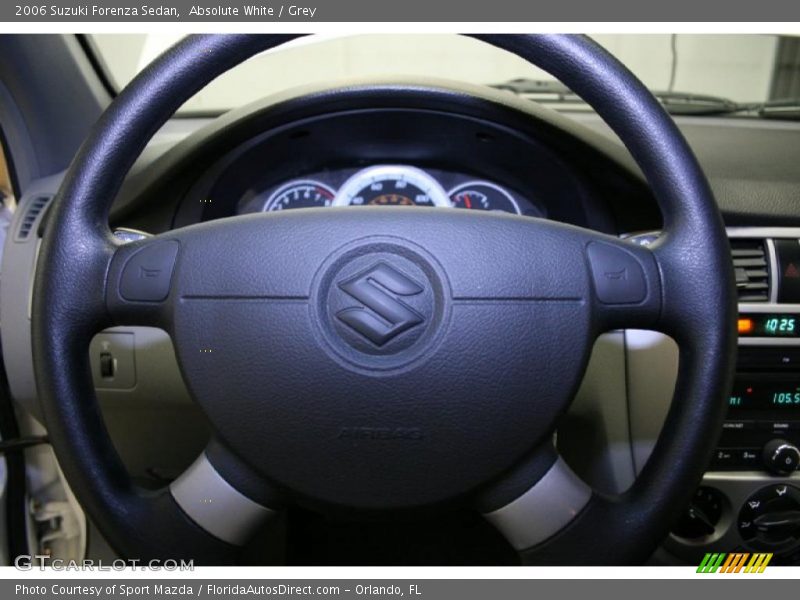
x=107, y=365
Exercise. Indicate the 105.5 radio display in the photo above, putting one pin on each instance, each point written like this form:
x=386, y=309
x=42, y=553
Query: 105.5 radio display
x=767, y=325
x=765, y=395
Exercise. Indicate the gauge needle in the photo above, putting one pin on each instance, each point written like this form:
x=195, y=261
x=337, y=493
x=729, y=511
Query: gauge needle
x=467, y=201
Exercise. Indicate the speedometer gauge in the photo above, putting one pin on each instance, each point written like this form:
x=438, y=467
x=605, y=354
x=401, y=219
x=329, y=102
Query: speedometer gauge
x=482, y=195
x=301, y=193
x=391, y=185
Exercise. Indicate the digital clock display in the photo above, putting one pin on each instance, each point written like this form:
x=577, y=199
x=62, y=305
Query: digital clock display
x=768, y=325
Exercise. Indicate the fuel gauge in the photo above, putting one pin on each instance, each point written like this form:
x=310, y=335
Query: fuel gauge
x=482, y=195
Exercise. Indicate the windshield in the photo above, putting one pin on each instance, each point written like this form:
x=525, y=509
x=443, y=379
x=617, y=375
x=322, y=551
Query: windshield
x=739, y=69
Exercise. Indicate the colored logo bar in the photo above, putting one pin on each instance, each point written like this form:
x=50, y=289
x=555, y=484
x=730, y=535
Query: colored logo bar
x=735, y=562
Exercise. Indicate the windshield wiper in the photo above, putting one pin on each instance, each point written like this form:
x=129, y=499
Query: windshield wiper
x=682, y=103
x=676, y=103
x=543, y=91
x=547, y=87
x=549, y=91
x=779, y=109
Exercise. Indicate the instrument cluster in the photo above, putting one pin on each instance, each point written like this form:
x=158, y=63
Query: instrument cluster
x=388, y=185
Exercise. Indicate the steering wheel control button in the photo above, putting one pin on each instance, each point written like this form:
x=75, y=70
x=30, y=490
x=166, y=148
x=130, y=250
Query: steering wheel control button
x=769, y=520
x=618, y=276
x=147, y=273
x=380, y=304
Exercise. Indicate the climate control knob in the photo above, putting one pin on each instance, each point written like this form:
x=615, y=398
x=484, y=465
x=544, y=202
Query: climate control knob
x=781, y=457
x=769, y=520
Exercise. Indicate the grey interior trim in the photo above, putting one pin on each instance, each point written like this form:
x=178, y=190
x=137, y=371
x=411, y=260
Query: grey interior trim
x=768, y=307
x=595, y=433
x=769, y=342
x=543, y=510
x=772, y=257
x=652, y=370
x=215, y=505
x=38, y=243
x=763, y=232
x=18, y=266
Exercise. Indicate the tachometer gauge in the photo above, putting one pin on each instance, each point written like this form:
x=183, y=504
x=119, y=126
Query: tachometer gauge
x=482, y=195
x=391, y=185
x=300, y=193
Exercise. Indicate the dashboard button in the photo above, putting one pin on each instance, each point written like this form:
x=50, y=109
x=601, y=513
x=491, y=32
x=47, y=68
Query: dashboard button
x=781, y=457
x=788, y=270
x=748, y=457
x=725, y=457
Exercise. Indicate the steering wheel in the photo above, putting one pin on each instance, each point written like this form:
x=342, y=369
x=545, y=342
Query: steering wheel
x=389, y=359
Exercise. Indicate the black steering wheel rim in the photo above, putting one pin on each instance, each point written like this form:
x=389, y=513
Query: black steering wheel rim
x=696, y=305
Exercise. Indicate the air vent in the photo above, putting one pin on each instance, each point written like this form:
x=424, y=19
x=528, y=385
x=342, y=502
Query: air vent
x=33, y=209
x=752, y=270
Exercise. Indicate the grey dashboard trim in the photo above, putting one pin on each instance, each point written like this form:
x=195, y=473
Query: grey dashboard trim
x=18, y=268
x=38, y=244
x=215, y=505
x=769, y=342
x=772, y=257
x=652, y=369
x=763, y=232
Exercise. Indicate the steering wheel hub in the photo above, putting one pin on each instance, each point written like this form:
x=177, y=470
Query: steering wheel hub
x=395, y=367
x=381, y=304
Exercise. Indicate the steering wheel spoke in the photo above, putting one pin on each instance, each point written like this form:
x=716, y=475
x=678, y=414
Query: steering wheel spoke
x=539, y=510
x=222, y=497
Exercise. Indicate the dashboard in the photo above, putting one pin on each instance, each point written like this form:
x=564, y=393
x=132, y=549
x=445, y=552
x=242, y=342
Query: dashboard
x=388, y=185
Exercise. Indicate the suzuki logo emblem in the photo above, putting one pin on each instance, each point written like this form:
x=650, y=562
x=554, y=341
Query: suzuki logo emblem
x=383, y=315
